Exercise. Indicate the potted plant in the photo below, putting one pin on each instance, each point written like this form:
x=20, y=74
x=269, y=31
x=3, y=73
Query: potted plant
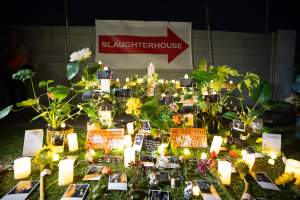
x=210, y=81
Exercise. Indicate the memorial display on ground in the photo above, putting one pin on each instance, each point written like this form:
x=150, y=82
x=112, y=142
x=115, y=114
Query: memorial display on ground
x=199, y=137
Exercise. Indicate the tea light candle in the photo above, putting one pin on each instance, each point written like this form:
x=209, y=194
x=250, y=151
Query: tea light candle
x=203, y=156
x=65, y=172
x=105, y=68
x=117, y=82
x=72, y=142
x=127, y=80
x=186, y=151
x=186, y=76
x=292, y=166
x=127, y=141
x=100, y=62
x=271, y=161
x=224, y=169
x=22, y=167
x=230, y=82
x=55, y=157
x=129, y=156
x=63, y=125
x=216, y=144
x=162, y=149
x=196, y=190
x=130, y=128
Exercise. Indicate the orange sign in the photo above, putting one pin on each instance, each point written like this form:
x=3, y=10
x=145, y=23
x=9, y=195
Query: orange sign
x=188, y=137
x=105, y=138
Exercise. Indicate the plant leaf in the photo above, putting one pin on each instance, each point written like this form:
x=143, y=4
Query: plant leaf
x=40, y=115
x=27, y=103
x=59, y=91
x=230, y=115
x=45, y=83
x=23, y=74
x=262, y=93
x=72, y=70
x=5, y=111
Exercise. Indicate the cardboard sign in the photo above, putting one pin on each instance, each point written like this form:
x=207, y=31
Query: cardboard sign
x=105, y=138
x=33, y=141
x=188, y=137
x=271, y=143
x=151, y=144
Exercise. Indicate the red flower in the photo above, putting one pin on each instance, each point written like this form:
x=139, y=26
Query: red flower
x=177, y=119
x=232, y=154
x=50, y=95
x=213, y=155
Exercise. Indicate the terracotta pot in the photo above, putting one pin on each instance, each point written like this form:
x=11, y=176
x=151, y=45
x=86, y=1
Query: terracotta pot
x=62, y=131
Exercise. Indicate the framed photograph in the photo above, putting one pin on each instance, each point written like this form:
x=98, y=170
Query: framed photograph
x=76, y=192
x=158, y=195
x=264, y=181
x=21, y=191
x=168, y=162
x=208, y=191
x=33, y=141
x=238, y=125
x=187, y=82
x=151, y=143
x=57, y=141
x=138, y=141
x=104, y=74
x=117, y=181
x=145, y=125
x=122, y=92
x=147, y=160
x=93, y=173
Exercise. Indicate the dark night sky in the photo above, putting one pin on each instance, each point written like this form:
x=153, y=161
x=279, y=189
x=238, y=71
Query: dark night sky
x=227, y=15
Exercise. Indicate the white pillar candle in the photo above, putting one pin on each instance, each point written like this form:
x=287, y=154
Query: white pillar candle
x=292, y=166
x=196, y=190
x=127, y=141
x=224, y=169
x=72, y=142
x=249, y=159
x=186, y=76
x=130, y=128
x=151, y=69
x=216, y=144
x=65, y=172
x=22, y=167
x=129, y=156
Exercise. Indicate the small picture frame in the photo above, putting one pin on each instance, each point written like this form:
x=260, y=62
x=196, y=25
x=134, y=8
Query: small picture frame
x=158, y=195
x=93, y=173
x=238, y=125
x=147, y=160
x=138, y=141
x=145, y=126
x=264, y=181
x=168, y=162
x=117, y=181
x=57, y=141
x=76, y=192
x=207, y=190
x=104, y=74
x=21, y=191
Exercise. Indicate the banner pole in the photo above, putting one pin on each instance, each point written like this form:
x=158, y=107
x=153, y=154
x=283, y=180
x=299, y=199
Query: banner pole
x=67, y=29
x=210, y=47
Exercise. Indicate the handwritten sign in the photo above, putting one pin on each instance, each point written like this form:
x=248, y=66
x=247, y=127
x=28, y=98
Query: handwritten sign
x=105, y=138
x=271, y=143
x=188, y=137
x=33, y=141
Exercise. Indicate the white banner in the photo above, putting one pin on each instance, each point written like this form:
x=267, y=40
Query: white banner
x=134, y=44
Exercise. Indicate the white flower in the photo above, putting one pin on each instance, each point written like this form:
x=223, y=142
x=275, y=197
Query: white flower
x=80, y=55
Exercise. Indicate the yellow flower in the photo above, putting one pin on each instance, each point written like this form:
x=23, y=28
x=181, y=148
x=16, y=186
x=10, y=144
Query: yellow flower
x=284, y=179
x=133, y=106
x=259, y=140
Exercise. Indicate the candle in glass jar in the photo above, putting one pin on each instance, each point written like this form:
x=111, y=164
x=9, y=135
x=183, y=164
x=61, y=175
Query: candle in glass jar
x=130, y=128
x=129, y=156
x=22, y=167
x=224, y=169
x=216, y=144
x=72, y=142
x=65, y=172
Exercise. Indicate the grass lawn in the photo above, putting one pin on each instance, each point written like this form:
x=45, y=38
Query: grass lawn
x=11, y=145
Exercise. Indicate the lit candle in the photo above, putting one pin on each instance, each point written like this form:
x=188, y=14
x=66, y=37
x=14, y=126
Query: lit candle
x=129, y=156
x=292, y=166
x=161, y=81
x=130, y=128
x=105, y=68
x=127, y=80
x=186, y=76
x=100, y=62
x=63, y=125
x=151, y=70
x=127, y=141
x=186, y=151
x=161, y=149
x=163, y=95
x=140, y=80
x=72, y=142
x=55, y=157
x=216, y=144
x=249, y=159
x=117, y=82
x=203, y=156
x=271, y=161
x=230, y=82
x=224, y=169
x=65, y=172
x=22, y=167
x=177, y=84
x=196, y=190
